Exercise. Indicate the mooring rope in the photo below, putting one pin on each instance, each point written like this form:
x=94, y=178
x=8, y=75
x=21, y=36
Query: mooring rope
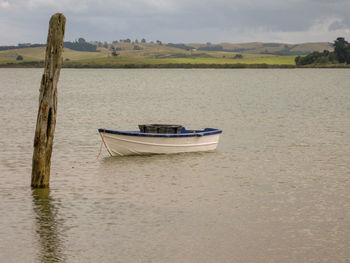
x=102, y=142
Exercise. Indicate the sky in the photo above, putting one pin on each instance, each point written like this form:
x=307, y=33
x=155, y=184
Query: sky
x=178, y=21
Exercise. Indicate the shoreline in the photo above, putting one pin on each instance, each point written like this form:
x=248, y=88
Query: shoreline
x=81, y=65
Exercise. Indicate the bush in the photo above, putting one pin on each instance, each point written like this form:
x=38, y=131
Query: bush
x=316, y=57
x=19, y=57
x=136, y=47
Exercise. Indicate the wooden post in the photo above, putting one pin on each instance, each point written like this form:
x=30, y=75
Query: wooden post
x=46, y=120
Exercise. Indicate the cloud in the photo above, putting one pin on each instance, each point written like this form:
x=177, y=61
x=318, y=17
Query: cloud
x=4, y=4
x=179, y=20
x=336, y=25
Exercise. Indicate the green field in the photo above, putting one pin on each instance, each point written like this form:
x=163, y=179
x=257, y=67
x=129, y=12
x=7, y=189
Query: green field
x=154, y=55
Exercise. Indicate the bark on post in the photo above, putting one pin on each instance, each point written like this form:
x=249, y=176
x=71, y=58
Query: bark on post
x=46, y=120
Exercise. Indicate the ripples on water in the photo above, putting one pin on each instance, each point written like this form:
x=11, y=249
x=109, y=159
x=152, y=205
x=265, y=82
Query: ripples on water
x=276, y=190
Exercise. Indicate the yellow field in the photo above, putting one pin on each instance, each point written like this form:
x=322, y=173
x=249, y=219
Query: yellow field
x=38, y=53
x=132, y=60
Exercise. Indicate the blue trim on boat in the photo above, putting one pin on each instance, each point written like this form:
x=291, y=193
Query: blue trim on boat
x=184, y=133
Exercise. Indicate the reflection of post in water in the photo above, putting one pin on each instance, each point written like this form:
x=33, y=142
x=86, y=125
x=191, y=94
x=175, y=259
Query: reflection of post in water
x=47, y=227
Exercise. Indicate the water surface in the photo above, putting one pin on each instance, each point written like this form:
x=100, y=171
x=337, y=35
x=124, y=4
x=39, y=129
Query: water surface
x=276, y=190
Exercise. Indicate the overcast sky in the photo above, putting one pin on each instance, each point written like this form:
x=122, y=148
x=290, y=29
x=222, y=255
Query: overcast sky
x=178, y=21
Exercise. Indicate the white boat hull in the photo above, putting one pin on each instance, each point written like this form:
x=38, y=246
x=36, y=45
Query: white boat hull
x=121, y=145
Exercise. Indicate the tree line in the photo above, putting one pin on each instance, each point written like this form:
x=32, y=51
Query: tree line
x=19, y=46
x=80, y=45
x=341, y=54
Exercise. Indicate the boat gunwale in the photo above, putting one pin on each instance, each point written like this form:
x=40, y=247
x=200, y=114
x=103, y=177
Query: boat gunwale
x=187, y=133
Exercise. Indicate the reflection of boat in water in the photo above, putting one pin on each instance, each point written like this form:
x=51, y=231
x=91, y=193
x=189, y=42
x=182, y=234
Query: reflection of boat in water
x=159, y=139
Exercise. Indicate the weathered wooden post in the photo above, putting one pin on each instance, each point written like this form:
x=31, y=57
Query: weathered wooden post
x=46, y=120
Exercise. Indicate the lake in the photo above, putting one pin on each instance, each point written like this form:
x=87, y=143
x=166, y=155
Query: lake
x=276, y=189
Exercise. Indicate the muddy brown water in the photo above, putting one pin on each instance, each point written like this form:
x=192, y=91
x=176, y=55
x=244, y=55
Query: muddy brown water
x=276, y=190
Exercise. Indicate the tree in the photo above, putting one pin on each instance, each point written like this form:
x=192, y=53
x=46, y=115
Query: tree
x=19, y=57
x=115, y=54
x=81, y=40
x=342, y=50
x=348, y=54
x=143, y=40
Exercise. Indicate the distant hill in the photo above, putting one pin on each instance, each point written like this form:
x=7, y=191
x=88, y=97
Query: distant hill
x=267, y=48
x=250, y=48
x=124, y=53
x=80, y=45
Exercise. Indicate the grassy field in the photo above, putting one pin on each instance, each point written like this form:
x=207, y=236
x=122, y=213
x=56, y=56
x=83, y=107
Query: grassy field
x=38, y=54
x=154, y=55
x=122, y=60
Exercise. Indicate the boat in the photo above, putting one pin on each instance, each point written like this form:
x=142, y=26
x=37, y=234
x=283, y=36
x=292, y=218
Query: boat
x=159, y=139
